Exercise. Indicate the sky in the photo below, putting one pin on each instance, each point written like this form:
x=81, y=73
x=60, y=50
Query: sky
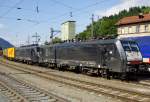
x=21, y=19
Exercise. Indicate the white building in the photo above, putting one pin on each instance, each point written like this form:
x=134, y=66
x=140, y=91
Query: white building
x=134, y=26
x=68, y=30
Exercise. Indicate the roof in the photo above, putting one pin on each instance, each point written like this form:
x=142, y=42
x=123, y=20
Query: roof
x=32, y=45
x=68, y=21
x=134, y=19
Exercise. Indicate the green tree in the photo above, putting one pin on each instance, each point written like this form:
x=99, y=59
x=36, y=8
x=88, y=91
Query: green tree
x=56, y=40
x=106, y=25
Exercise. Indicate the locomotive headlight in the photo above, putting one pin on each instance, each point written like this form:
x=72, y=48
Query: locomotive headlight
x=80, y=64
x=99, y=66
x=110, y=52
x=149, y=69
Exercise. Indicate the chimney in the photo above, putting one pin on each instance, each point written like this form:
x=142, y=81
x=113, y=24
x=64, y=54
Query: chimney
x=141, y=15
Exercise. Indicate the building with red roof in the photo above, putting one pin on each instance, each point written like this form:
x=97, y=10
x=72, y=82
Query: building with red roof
x=134, y=26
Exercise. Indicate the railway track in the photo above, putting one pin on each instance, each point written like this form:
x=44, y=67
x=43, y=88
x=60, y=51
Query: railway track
x=145, y=82
x=19, y=91
x=125, y=95
x=10, y=94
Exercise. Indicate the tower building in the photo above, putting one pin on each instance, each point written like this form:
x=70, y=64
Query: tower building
x=68, y=30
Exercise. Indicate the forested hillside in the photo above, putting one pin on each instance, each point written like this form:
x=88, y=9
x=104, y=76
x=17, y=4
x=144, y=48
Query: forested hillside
x=106, y=25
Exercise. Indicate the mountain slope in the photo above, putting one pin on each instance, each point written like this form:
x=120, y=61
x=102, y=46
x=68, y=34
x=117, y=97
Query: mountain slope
x=5, y=44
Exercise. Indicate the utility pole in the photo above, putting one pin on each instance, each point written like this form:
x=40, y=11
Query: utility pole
x=28, y=40
x=37, y=38
x=98, y=18
x=17, y=40
x=52, y=33
x=71, y=14
x=92, y=26
x=37, y=7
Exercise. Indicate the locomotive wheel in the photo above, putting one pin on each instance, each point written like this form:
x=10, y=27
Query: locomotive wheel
x=52, y=66
x=105, y=73
x=78, y=69
x=84, y=70
x=102, y=73
x=98, y=72
x=124, y=76
x=27, y=62
x=49, y=65
x=114, y=75
x=61, y=68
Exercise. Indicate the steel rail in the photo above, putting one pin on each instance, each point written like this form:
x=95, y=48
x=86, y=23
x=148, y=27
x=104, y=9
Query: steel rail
x=125, y=95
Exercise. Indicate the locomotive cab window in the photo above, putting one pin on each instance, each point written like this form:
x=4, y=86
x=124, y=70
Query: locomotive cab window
x=134, y=46
x=130, y=46
x=126, y=46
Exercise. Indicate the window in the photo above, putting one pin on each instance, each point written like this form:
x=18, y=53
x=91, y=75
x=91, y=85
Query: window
x=146, y=28
x=119, y=31
x=134, y=46
x=130, y=46
x=137, y=28
x=126, y=30
x=126, y=45
x=130, y=29
x=122, y=31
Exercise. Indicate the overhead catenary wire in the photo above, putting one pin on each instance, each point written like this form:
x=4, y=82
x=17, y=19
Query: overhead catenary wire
x=11, y=8
x=63, y=4
x=22, y=19
x=61, y=16
x=26, y=9
x=52, y=20
x=79, y=10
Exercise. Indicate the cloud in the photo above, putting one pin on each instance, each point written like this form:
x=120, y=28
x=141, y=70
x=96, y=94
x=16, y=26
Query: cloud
x=124, y=4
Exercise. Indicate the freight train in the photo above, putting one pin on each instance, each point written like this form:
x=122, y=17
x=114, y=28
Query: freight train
x=107, y=58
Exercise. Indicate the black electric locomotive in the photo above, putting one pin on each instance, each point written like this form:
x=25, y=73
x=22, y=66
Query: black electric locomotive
x=28, y=54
